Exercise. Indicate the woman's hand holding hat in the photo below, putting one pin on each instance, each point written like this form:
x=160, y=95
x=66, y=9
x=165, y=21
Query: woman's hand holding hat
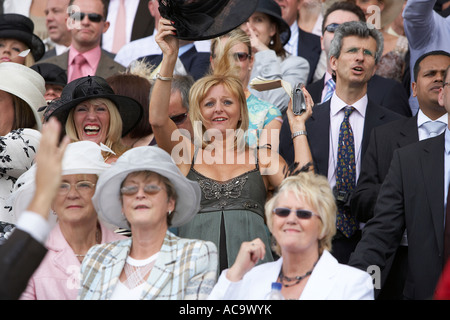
x=249, y=255
x=166, y=39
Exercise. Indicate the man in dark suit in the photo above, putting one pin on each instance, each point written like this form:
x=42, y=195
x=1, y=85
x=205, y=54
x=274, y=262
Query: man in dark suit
x=196, y=64
x=352, y=58
x=429, y=71
x=385, y=92
x=86, y=37
x=413, y=196
x=23, y=252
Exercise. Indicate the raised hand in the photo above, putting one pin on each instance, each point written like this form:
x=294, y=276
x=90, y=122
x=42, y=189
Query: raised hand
x=249, y=255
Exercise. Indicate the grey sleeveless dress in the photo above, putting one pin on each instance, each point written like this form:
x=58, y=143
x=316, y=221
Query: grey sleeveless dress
x=231, y=212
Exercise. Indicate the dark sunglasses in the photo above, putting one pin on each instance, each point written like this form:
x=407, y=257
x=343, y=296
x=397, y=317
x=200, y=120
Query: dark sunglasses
x=241, y=56
x=179, y=118
x=149, y=189
x=93, y=17
x=301, y=214
x=331, y=27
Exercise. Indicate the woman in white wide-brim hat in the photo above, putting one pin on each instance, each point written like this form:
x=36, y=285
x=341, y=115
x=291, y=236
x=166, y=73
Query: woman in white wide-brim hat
x=77, y=226
x=21, y=94
x=144, y=191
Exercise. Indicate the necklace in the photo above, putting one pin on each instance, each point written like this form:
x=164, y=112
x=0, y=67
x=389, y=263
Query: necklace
x=98, y=239
x=297, y=279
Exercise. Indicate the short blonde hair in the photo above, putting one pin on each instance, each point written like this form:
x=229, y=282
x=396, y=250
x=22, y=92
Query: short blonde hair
x=114, y=135
x=315, y=190
x=198, y=93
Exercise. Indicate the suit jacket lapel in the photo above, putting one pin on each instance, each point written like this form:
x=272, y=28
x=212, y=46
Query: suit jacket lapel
x=163, y=269
x=321, y=281
x=318, y=128
x=432, y=163
x=408, y=132
x=374, y=117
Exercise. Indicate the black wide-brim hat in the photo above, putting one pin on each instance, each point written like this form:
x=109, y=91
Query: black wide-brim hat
x=94, y=87
x=19, y=27
x=51, y=73
x=206, y=19
x=271, y=8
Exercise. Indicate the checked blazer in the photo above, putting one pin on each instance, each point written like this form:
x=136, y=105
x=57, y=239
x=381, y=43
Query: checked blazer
x=184, y=269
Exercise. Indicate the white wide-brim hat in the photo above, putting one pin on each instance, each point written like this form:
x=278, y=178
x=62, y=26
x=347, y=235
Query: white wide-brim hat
x=24, y=83
x=81, y=157
x=107, y=198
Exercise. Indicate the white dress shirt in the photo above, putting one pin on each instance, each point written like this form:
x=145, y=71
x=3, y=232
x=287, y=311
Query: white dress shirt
x=356, y=122
x=131, y=9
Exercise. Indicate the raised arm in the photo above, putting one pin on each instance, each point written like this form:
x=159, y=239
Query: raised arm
x=163, y=126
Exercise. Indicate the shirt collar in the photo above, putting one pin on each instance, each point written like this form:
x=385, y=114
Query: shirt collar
x=337, y=104
x=90, y=55
x=447, y=141
x=422, y=118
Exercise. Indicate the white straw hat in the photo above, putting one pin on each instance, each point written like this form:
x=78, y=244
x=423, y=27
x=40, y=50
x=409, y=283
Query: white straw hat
x=24, y=83
x=148, y=158
x=82, y=157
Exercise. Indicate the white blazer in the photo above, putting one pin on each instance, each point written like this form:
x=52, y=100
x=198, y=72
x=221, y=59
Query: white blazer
x=329, y=280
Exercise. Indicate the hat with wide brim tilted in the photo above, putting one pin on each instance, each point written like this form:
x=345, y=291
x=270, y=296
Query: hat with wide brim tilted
x=19, y=27
x=94, y=87
x=206, y=19
x=25, y=83
x=107, y=198
x=271, y=8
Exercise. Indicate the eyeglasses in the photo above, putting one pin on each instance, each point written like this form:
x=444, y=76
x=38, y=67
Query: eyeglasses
x=93, y=17
x=179, y=118
x=331, y=27
x=241, y=56
x=148, y=189
x=83, y=187
x=301, y=214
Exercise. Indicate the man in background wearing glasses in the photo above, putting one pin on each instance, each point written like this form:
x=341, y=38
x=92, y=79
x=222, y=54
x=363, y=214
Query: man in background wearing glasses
x=385, y=92
x=87, y=21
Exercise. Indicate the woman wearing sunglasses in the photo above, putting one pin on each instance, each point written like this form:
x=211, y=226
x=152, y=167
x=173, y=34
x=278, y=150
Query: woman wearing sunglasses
x=301, y=217
x=77, y=226
x=269, y=33
x=145, y=192
x=234, y=178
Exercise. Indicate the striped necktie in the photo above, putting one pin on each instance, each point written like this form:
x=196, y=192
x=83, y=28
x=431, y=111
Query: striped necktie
x=331, y=86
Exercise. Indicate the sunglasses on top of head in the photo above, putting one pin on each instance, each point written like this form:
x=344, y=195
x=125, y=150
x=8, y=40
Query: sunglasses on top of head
x=93, y=17
x=301, y=213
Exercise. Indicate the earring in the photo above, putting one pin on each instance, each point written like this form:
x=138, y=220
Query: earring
x=271, y=42
x=170, y=212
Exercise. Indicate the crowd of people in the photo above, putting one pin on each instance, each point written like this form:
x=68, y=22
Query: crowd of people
x=153, y=149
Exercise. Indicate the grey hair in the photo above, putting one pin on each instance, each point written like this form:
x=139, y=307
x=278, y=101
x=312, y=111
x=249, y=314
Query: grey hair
x=359, y=29
x=183, y=84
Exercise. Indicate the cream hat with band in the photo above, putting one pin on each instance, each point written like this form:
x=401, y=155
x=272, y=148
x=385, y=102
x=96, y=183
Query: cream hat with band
x=25, y=83
x=82, y=157
x=107, y=198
